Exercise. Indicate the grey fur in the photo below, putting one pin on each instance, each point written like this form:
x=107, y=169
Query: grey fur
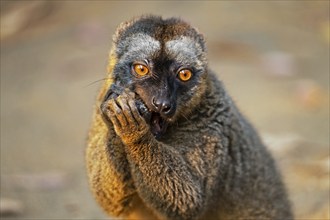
x=138, y=47
x=186, y=51
x=210, y=162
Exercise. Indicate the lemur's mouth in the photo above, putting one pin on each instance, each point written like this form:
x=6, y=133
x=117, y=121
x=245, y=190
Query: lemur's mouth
x=158, y=124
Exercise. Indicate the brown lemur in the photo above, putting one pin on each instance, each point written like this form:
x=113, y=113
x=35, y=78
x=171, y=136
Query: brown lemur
x=167, y=141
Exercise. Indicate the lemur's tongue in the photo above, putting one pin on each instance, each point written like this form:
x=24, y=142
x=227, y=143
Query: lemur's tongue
x=158, y=124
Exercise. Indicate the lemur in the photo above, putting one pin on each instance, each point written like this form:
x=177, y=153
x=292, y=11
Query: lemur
x=168, y=142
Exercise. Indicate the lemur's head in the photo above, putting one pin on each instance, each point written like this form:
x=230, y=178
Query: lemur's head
x=164, y=62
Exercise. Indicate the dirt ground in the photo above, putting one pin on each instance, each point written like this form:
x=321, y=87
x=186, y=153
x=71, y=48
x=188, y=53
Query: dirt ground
x=272, y=55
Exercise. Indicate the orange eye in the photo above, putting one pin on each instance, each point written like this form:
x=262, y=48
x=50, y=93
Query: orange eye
x=184, y=75
x=141, y=69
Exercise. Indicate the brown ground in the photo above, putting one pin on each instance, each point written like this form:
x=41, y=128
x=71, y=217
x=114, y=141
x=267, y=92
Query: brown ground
x=273, y=57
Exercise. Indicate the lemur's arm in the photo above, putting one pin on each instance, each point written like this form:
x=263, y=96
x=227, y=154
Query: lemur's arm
x=108, y=168
x=162, y=176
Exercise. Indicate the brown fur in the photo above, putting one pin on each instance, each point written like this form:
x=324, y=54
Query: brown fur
x=210, y=163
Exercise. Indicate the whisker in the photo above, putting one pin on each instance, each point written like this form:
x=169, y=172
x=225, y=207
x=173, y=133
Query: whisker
x=155, y=76
x=96, y=81
x=183, y=115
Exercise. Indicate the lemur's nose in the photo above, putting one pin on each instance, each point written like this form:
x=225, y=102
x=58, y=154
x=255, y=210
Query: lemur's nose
x=162, y=105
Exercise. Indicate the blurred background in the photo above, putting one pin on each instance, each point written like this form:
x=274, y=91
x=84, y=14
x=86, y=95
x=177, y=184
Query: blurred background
x=272, y=55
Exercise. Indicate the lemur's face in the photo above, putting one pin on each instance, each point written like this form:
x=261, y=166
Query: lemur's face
x=164, y=64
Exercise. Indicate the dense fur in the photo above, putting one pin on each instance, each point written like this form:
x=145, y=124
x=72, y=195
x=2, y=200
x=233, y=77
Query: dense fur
x=208, y=164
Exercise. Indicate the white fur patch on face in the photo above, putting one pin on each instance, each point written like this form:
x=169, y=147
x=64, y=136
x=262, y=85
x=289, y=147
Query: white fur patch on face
x=185, y=50
x=139, y=46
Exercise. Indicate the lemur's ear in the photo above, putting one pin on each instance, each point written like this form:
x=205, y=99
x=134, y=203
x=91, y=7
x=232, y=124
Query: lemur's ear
x=126, y=24
x=115, y=38
x=120, y=29
x=123, y=26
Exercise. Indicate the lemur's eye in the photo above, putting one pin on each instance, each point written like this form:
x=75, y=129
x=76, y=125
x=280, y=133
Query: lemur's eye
x=184, y=75
x=141, y=69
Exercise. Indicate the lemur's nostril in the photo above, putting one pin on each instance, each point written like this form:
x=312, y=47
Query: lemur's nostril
x=155, y=103
x=166, y=107
x=161, y=105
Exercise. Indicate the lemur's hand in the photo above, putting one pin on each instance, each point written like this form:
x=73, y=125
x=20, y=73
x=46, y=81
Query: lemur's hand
x=129, y=125
x=113, y=92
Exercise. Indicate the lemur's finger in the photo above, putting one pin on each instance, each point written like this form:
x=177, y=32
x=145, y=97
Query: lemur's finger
x=123, y=102
x=129, y=93
x=115, y=122
x=134, y=111
x=104, y=108
x=118, y=112
x=109, y=113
